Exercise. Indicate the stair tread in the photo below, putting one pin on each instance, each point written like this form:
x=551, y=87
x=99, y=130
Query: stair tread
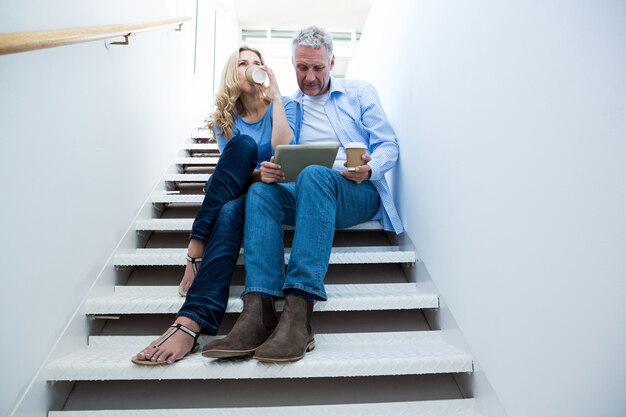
x=347, y=297
x=338, y=255
x=185, y=225
x=335, y=355
x=201, y=133
x=193, y=160
x=177, y=198
x=200, y=146
x=437, y=408
x=186, y=177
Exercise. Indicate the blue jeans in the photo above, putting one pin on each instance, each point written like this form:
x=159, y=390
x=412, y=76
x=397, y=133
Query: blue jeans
x=219, y=224
x=320, y=200
x=230, y=180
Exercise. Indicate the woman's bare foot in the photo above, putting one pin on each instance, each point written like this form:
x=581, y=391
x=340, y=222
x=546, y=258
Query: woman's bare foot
x=195, y=249
x=174, y=348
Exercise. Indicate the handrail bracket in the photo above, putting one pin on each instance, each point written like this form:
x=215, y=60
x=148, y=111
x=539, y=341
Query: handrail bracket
x=124, y=42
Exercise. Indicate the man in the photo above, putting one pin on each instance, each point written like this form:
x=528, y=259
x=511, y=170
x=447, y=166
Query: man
x=321, y=199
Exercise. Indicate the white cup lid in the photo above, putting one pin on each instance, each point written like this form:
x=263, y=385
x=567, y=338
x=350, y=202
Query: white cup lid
x=357, y=145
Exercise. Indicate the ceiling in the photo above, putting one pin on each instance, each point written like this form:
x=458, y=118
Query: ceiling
x=332, y=15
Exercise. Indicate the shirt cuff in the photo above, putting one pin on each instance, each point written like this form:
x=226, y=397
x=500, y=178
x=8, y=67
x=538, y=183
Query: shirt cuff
x=375, y=167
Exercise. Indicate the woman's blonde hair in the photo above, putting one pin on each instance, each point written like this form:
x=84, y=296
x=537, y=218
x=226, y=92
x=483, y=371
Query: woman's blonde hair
x=227, y=103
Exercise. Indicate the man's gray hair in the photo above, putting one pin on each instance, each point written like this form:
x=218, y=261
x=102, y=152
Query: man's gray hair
x=313, y=37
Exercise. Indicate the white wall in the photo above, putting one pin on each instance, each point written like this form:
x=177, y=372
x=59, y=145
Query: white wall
x=85, y=134
x=512, y=123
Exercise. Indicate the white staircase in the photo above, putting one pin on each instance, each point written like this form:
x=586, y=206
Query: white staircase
x=375, y=354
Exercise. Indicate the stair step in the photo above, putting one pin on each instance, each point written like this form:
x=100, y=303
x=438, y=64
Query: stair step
x=338, y=255
x=201, y=133
x=191, y=160
x=177, y=198
x=335, y=355
x=440, y=408
x=166, y=225
x=200, y=147
x=348, y=297
x=186, y=177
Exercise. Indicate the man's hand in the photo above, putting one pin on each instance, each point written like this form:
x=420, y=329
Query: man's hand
x=360, y=173
x=271, y=172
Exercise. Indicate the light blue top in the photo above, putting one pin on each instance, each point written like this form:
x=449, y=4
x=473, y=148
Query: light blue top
x=356, y=115
x=261, y=130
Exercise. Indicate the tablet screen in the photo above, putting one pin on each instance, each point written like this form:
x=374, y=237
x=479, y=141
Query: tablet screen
x=294, y=158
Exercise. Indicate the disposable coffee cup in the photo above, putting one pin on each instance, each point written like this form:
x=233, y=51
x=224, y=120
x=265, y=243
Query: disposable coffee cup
x=255, y=74
x=354, y=152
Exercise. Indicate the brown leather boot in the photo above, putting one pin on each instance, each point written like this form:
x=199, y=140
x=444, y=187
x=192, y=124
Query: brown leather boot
x=254, y=325
x=293, y=336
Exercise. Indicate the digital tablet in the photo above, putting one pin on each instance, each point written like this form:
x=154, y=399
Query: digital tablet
x=294, y=158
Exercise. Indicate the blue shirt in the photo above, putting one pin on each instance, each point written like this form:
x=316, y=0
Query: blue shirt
x=261, y=130
x=355, y=113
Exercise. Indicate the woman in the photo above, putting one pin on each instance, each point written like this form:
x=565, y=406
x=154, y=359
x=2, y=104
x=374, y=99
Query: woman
x=248, y=121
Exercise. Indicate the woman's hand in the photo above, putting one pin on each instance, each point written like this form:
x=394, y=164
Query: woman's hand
x=282, y=134
x=272, y=92
x=271, y=172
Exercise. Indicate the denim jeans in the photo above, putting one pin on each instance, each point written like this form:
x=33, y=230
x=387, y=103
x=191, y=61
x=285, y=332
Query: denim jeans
x=320, y=200
x=230, y=179
x=219, y=223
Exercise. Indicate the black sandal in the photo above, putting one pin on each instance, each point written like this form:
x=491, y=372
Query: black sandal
x=195, y=264
x=175, y=327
